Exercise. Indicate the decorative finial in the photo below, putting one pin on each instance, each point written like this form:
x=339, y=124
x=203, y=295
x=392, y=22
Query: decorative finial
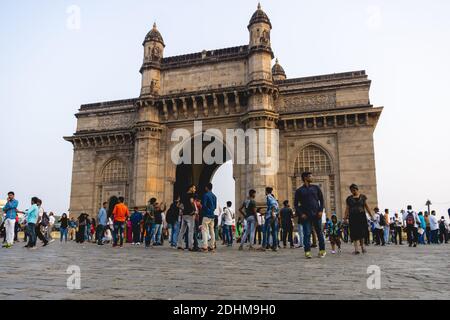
x=259, y=5
x=276, y=61
x=154, y=25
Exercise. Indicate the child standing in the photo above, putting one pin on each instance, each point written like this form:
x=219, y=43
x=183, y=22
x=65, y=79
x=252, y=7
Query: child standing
x=334, y=233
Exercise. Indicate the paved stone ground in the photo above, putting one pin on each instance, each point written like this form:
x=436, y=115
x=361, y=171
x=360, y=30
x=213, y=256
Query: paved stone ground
x=164, y=273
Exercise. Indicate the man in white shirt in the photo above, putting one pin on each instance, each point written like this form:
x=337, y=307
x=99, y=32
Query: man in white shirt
x=228, y=217
x=379, y=230
x=434, y=227
x=412, y=222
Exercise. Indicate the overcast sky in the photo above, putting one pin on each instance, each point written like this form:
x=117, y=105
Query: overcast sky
x=48, y=68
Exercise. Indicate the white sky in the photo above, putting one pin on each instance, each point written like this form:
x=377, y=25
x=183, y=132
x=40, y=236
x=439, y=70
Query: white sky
x=48, y=70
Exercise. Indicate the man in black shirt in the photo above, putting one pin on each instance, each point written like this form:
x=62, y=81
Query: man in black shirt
x=309, y=207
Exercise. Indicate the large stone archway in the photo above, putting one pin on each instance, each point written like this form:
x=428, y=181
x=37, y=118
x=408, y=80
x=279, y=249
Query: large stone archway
x=231, y=88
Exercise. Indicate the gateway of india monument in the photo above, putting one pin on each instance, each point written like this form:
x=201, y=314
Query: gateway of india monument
x=325, y=123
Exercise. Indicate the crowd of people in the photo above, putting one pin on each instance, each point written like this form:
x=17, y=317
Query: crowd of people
x=195, y=223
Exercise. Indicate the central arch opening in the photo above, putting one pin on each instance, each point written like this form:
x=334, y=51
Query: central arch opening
x=200, y=174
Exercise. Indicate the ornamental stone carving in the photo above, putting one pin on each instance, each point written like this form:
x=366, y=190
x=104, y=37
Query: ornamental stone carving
x=116, y=121
x=308, y=102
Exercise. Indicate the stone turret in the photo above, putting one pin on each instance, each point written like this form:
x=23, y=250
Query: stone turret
x=151, y=68
x=278, y=72
x=261, y=55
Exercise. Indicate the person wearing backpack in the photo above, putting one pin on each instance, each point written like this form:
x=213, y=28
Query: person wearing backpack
x=41, y=222
x=248, y=211
x=412, y=222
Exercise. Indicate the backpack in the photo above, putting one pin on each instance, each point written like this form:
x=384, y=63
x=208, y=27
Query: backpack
x=410, y=221
x=172, y=214
x=45, y=220
x=382, y=220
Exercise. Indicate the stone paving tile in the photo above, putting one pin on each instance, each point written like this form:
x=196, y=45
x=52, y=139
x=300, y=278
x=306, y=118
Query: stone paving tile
x=164, y=273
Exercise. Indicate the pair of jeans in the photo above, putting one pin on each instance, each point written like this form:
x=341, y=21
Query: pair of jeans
x=99, y=233
x=63, y=234
x=258, y=234
x=156, y=233
x=136, y=231
x=428, y=233
x=386, y=234
x=228, y=234
x=208, y=227
x=287, y=235
x=31, y=232
x=308, y=226
x=398, y=234
x=249, y=231
x=379, y=236
x=434, y=236
x=148, y=234
x=300, y=235
x=270, y=229
x=187, y=222
x=411, y=233
x=174, y=230
x=118, y=232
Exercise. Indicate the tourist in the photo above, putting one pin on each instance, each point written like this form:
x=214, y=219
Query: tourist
x=51, y=223
x=259, y=226
x=287, y=224
x=428, y=228
x=412, y=223
x=172, y=219
x=93, y=230
x=198, y=218
x=209, y=205
x=189, y=210
x=345, y=231
x=386, y=227
x=31, y=217
x=80, y=236
x=135, y=219
x=72, y=228
x=149, y=221
x=379, y=225
x=227, y=223
x=120, y=214
x=64, y=224
x=443, y=229
x=158, y=224
x=42, y=223
x=271, y=221
x=309, y=207
x=10, y=209
x=102, y=220
x=356, y=215
x=334, y=233
x=392, y=230
x=111, y=205
x=398, y=223
x=422, y=228
x=434, y=227
x=249, y=212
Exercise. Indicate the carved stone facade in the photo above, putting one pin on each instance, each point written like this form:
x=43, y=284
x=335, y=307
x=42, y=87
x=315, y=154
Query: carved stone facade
x=325, y=125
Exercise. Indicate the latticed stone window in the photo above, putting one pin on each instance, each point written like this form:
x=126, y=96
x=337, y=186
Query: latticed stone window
x=314, y=160
x=115, y=171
